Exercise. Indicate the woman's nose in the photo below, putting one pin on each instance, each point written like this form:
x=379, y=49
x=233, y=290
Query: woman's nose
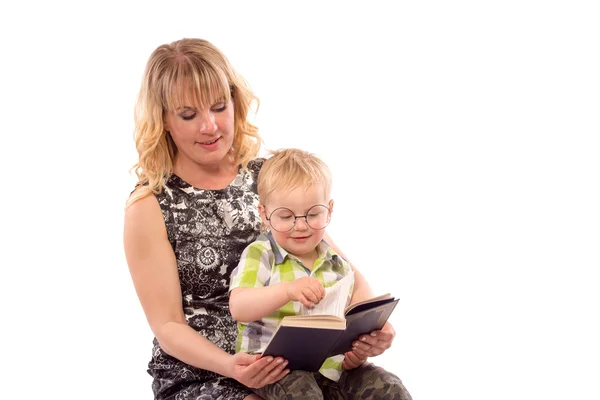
x=208, y=123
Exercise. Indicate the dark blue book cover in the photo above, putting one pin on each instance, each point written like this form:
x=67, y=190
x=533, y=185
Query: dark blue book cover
x=306, y=341
x=305, y=348
x=359, y=322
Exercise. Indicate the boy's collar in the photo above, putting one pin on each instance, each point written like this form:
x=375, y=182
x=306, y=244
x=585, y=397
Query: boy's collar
x=325, y=251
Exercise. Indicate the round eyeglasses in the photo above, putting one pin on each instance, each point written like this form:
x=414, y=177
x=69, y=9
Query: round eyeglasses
x=283, y=219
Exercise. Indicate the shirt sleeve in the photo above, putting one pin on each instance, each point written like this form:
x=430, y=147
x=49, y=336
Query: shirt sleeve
x=254, y=268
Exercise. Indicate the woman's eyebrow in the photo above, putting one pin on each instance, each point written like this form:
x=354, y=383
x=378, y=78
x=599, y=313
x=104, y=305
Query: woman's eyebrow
x=185, y=108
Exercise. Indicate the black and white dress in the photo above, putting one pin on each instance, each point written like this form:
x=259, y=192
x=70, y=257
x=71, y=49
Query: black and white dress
x=208, y=230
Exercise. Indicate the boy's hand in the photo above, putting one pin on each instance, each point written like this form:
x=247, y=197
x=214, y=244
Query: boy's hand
x=308, y=291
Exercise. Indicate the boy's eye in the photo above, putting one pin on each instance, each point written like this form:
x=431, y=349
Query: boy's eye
x=285, y=217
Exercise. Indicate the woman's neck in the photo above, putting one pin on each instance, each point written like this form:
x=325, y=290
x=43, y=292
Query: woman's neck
x=209, y=177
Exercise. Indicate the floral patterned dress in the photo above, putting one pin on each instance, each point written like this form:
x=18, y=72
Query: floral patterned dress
x=208, y=230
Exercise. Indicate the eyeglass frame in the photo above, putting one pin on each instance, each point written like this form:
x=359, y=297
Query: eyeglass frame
x=299, y=216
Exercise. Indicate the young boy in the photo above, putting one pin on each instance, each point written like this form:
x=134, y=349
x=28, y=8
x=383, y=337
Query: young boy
x=290, y=266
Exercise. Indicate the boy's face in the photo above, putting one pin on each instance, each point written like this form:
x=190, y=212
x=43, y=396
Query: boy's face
x=301, y=240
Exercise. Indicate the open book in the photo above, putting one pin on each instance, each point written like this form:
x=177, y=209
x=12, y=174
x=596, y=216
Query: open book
x=307, y=340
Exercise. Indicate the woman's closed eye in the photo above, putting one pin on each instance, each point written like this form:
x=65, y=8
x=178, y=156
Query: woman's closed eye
x=189, y=115
x=219, y=107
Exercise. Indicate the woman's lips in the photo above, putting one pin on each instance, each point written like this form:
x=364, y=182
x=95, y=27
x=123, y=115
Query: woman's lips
x=210, y=144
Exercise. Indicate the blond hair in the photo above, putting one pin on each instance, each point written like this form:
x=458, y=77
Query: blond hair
x=196, y=68
x=288, y=169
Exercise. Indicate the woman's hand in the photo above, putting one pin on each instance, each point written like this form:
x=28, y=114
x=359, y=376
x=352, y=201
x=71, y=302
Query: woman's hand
x=352, y=361
x=255, y=371
x=375, y=343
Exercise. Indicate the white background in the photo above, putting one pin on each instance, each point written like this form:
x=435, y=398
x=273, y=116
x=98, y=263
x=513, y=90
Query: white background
x=463, y=139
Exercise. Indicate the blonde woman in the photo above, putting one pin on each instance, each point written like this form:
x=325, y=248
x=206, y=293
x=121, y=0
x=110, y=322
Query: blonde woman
x=193, y=212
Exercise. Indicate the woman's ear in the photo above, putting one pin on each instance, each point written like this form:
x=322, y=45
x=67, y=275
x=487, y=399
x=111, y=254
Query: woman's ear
x=165, y=122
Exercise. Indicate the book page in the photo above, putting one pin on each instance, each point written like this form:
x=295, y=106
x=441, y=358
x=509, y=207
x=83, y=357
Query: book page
x=372, y=300
x=335, y=299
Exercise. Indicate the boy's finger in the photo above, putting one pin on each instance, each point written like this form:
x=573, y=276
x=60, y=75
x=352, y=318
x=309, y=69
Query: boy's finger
x=310, y=295
x=306, y=302
x=317, y=293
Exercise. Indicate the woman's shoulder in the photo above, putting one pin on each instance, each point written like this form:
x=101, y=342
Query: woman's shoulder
x=142, y=204
x=256, y=164
x=144, y=221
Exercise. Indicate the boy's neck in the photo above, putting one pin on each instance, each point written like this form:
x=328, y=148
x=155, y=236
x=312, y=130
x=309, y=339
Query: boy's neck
x=308, y=260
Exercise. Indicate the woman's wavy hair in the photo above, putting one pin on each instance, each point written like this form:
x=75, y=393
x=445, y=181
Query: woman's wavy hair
x=197, y=69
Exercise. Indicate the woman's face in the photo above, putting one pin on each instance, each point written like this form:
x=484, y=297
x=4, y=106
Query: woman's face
x=202, y=136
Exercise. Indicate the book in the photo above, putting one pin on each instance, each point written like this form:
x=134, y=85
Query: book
x=307, y=340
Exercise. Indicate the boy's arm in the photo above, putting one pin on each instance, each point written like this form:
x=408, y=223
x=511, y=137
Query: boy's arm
x=249, y=298
x=251, y=304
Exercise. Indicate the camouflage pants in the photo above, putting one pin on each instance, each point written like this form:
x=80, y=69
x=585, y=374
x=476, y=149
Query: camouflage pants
x=366, y=382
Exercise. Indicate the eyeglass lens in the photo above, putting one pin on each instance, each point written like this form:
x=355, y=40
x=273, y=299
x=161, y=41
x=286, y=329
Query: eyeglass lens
x=283, y=219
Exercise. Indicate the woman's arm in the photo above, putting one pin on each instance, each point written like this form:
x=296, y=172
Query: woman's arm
x=376, y=342
x=362, y=290
x=153, y=269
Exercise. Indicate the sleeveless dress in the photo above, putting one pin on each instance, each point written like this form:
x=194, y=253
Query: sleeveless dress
x=208, y=230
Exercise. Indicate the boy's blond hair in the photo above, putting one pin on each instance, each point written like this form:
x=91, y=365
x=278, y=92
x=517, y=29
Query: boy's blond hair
x=288, y=169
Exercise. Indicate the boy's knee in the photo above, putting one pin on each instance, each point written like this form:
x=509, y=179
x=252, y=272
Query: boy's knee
x=370, y=381
x=302, y=385
x=296, y=385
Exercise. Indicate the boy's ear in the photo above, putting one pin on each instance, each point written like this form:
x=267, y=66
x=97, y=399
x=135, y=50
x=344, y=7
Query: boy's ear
x=331, y=205
x=263, y=216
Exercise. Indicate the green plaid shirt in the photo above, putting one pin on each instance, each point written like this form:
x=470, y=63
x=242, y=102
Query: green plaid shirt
x=265, y=263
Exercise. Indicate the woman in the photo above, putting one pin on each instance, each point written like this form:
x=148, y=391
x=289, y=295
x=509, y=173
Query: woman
x=191, y=215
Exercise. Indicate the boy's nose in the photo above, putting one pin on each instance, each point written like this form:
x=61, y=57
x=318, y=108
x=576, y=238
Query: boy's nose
x=301, y=224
